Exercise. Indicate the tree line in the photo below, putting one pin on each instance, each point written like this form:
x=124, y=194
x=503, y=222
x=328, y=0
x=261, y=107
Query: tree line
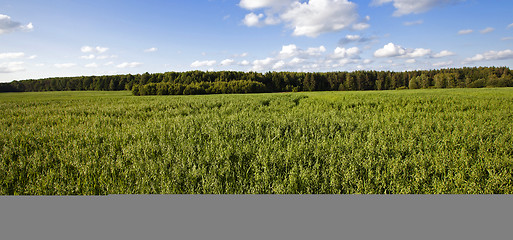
x=199, y=82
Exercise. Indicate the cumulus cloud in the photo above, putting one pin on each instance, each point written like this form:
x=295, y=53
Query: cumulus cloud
x=253, y=20
x=278, y=65
x=89, y=49
x=256, y=4
x=405, y=7
x=153, y=49
x=292, y=50
x=491, y=55
x=419, y=52
x=11, y=55
x=487, y=30
x=227, y=62
x=392, y=50
x=346, y=53
x=244, y=63
x=208, y=63
x=465, y=31
x=129, y=65
x=65, y=65
x=443, y=53
x=294, y=58
x=306, y=18
x=315, y=17
x=260, y=65
x=7, y=25
x=11, y=67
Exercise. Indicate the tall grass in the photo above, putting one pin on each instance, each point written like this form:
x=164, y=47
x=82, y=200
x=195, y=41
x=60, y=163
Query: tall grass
x=417, y=141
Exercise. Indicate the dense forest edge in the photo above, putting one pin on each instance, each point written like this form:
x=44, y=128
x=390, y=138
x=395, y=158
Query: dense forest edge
x=199, y=82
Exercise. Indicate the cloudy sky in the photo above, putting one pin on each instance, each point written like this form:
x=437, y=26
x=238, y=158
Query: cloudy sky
x=51, y=38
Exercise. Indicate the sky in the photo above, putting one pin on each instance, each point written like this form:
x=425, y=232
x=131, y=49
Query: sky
x=56, y=38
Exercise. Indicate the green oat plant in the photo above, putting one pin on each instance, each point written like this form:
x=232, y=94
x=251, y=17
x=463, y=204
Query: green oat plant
x=443, y=141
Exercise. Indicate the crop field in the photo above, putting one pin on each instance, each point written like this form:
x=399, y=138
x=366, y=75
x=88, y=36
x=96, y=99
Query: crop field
x=386, y=142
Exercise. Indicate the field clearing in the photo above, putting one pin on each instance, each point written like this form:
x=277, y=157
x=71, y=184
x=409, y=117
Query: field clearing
x=412, y=141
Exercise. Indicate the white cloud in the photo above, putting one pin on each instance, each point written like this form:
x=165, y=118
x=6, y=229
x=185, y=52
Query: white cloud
x=32, y=57
x=259, y=65
x=253, y=20
x=443, y=53
x=227, y=62
x=109, y=64
x=306, y=18
x=442, y=64
x=280, y=64
x=492, y=55
x=353, y=37
x=244, y=63
x=89, y=49
x=289, y=50
x=392, y=50
x=296, y=60
x=506, y=38
x=208, y=63
x=413, y=23
x=465, y=31
x=419, y=52
x=360, y=26
x=65, y=65
x=90, y=56
x=256, y=4
x=315, y=17
x=153, y=49
x=11, y=55
x=11, y=67
x=346, y=53
x=510, y=26
x=7, y=25
x=91, y=65
x=129, y=65
x=405, y=7
x=411, y=61
x=315, y=51
x=487, y=30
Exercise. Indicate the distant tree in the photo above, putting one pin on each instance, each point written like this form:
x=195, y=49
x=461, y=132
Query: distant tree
x=414, y=83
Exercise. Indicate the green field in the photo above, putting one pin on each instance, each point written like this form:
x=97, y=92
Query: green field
x=412, y=141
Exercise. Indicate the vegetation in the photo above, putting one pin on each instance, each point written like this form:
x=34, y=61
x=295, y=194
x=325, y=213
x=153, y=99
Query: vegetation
x=419, y=141
x=273, y=81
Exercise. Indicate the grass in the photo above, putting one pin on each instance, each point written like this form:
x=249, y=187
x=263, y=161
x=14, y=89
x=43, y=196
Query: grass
x=415, y=141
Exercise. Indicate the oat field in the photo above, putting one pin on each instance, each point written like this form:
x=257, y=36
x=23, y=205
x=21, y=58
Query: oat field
x=436, y=141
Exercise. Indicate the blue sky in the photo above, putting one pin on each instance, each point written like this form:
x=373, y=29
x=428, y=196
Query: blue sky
x=53, y=38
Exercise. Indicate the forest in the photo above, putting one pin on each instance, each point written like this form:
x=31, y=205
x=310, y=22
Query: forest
x=199, y=82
